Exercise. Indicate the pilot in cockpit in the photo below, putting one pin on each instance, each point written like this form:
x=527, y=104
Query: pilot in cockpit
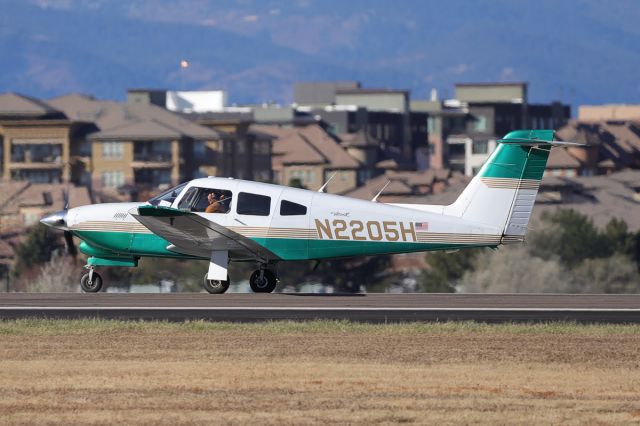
x=215, y=203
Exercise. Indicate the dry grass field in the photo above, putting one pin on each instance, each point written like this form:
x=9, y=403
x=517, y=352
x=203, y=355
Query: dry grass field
x=108, y=372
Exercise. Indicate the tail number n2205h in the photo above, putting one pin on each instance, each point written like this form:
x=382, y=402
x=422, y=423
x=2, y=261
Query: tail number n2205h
x=372, y=230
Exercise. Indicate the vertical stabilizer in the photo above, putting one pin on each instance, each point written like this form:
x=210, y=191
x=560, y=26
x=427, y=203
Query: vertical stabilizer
x=502, y=194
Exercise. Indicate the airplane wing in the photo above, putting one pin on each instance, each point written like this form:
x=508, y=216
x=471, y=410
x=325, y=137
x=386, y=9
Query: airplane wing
x=194, y=235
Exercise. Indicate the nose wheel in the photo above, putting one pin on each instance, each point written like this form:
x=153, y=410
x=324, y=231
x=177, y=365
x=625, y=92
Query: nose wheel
x=91, y=282
x=263, y=281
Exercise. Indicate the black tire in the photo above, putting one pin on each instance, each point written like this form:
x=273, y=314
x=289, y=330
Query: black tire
x=215, y=286
x=266, y=285
x=93, y=286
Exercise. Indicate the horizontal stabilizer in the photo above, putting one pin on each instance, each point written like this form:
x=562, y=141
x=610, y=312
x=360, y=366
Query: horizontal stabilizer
x=535, y=137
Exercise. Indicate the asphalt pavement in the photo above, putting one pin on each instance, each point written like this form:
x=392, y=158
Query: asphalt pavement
x=377, y=308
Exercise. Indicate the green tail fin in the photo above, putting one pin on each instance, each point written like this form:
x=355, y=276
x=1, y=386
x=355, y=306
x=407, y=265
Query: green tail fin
x=521, y=154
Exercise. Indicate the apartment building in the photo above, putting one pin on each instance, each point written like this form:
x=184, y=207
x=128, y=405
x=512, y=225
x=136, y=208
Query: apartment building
x=309, y=156
x=238, y=152
x=463, y=130
x=133, y=144
x=36, y=140
x=384, y=114
x=130, y=148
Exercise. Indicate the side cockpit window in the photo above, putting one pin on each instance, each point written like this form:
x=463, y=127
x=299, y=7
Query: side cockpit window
x=206, y=200
x=289, y=208
x=253, y=204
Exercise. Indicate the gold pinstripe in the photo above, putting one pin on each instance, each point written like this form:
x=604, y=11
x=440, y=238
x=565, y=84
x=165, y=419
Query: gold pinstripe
x=505, y=183
x=303, y=233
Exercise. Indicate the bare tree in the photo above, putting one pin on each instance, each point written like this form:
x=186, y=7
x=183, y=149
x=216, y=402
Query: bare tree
x=56, y=276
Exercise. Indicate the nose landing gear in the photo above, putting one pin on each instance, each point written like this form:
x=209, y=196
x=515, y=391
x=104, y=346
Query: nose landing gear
x=91, y=282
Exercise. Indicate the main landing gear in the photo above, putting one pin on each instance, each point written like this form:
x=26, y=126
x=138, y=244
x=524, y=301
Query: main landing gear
x=91, y=282
x=215, y=286
x=263, y=281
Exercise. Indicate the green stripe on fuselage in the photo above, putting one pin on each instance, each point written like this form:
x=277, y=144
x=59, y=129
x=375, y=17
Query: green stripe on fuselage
x=123, y=244
x=301, y=249
x=126, y=244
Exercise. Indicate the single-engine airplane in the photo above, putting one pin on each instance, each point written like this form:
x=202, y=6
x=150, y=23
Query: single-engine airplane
x=224, y=220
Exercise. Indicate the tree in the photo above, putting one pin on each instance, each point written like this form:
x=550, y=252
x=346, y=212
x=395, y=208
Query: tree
x=36, y=248
x=569, y=235
x=296, y=183
x=445, y=269
x=349, y=274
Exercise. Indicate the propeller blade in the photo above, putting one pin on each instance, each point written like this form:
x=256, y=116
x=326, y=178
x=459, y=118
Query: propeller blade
x=71, y=247
x=65, y=195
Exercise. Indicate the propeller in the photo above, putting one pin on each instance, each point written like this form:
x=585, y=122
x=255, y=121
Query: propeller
x=68, y=236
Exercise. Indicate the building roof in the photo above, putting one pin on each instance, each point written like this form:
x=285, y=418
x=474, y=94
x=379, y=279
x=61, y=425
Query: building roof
x=127, y=121
x=560, y=158
x=360, y=139
x=17, y=105
x=601, y=197
x=370, y=91
x=626, y=134
x=136, y=130
x=47, y=196
x=401, y=184
x=489, y=84
x=307, y=145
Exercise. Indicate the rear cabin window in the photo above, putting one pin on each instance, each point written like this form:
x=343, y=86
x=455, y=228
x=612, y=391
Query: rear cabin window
x=289, y=208
x=253, y=204
x=206, y=200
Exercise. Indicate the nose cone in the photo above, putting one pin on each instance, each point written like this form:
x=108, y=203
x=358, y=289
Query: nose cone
x=56, y=220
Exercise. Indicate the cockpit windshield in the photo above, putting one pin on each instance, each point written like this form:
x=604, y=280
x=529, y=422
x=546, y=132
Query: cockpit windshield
x=167, y=197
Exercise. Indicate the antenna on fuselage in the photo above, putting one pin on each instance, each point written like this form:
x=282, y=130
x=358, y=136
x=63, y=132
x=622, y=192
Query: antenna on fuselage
x=327, y=182
x=375, y=199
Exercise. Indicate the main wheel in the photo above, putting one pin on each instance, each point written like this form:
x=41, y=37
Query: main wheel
x=266, y=284
x=215, y=286
x=92, y=285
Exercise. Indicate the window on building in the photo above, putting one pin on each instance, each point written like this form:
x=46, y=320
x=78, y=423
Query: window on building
x=241, y=147
x=480, y=123
x=199, y=149
x=289, y=208
x=480, y=147
x=253, y=204
x=84, y=148
x=261, y=147
x=112, y=179
x=112, y=150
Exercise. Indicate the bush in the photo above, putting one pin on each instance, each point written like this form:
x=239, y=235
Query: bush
x=514, y=270
x=615, y=274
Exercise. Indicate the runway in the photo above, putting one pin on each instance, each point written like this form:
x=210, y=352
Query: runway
x=376, y=308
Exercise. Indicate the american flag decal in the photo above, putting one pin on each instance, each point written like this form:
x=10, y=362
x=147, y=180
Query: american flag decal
x=422, y=226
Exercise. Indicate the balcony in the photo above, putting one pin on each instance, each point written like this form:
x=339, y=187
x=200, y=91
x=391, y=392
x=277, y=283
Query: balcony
x=36, y=154
x=152, y=160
